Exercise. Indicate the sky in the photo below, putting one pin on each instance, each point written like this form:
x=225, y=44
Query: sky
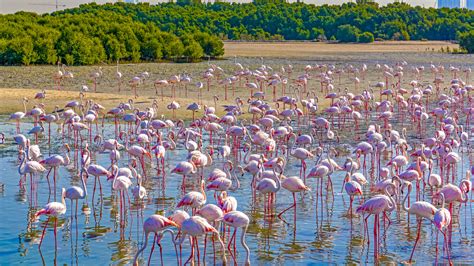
x=43, y=6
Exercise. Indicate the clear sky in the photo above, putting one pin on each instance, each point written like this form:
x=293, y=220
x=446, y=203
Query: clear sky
x=42, y=6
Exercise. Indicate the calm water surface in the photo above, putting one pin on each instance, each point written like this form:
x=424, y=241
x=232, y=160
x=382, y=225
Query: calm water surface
x=322, y=235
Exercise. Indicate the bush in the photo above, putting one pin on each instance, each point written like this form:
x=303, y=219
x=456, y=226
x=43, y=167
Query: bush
x=466, y=41
x=347, y=33
x=366, y=37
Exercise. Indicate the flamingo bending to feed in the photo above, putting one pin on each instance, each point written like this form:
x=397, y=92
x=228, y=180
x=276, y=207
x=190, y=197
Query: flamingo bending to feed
x=238, y=219
x=52, y=209
x=421, y=209
x=442, y=219
x=196, y=226
x=158, y=225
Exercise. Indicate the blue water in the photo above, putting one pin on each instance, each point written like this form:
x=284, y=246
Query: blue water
x=322, y=235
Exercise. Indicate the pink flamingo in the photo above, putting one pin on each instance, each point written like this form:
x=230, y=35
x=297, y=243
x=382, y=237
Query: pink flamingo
x=302, y=154
x=352, y=189
x=52, y=209
x=213, y=214
x=442, y=220
x=140, y=153
x=293, y=184
x=194, y=199
x=375, y=206
x=421, y=209
x=97, y=171
x=53, y=162
x=238, y=219
x=158, y=225
x=29, y=167
x=184, y=168
x=270, y=186
x=196, y=226
x=75, y=192
x=17, y=116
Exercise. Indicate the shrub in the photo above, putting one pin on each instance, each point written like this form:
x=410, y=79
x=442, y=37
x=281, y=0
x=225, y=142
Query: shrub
x=366, y=37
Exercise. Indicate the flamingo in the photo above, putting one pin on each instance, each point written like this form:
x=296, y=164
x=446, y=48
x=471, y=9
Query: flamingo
x=375, y=206
x=421, y=209
x=442, y=220
x=118, y=75
x=53, y=162
x=196, y=226
x=29, y=167
x=97, y=171
x=52, y=209
x=184, y=168
x=75, y=192
x=302, y=154
x=194, y=199
x=94, y=76
x=270, y=185
x=353, y=189
x=293, y=184
x=238, y=219
x=158, y=225
x=17, y=116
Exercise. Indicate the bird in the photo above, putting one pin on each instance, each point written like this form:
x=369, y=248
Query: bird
x=194, y=199
x=54, y=210
x=352, y=189
x=184, y=168
x=374, y=206
x=293, y=184
x=196, y=226
x=76, y=193
x=158, y=225
x=442, y=219
x=421, y=209
x=238, y=219
x=18, y=116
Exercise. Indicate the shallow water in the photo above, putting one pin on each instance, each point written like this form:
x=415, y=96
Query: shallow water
x=323, y=234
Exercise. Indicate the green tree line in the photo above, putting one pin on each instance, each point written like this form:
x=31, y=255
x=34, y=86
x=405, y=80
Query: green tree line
x=275, y=19
x=94, y=33
x=89, y=38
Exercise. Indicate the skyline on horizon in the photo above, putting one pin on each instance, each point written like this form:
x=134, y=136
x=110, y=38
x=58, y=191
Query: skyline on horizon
x=47, y=6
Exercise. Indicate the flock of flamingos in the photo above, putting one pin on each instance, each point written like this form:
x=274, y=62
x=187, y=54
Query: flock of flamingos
x=302, y=119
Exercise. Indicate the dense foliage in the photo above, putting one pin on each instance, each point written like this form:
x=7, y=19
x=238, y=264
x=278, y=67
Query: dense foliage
x=466, y=41
x=87, y=38
x=94, y=33
x=276, y=19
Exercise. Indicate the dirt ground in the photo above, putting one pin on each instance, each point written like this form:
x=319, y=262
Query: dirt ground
x=17, y=82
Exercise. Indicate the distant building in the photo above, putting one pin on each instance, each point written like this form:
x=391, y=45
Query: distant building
x=132, y=1
x=470, y=4
x=449, y=3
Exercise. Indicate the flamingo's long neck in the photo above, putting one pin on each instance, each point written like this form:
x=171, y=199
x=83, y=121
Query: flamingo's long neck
x=66, y=157
x=406, y=197
x=203, y=192
x=142, y=249
x=21, y=167
x=277, y=179
x=392, y=200
x=84, y=187
x=242, y=240
x=464, y=196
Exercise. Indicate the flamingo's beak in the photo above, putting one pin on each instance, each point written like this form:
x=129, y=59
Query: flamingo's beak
x=174, y=224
